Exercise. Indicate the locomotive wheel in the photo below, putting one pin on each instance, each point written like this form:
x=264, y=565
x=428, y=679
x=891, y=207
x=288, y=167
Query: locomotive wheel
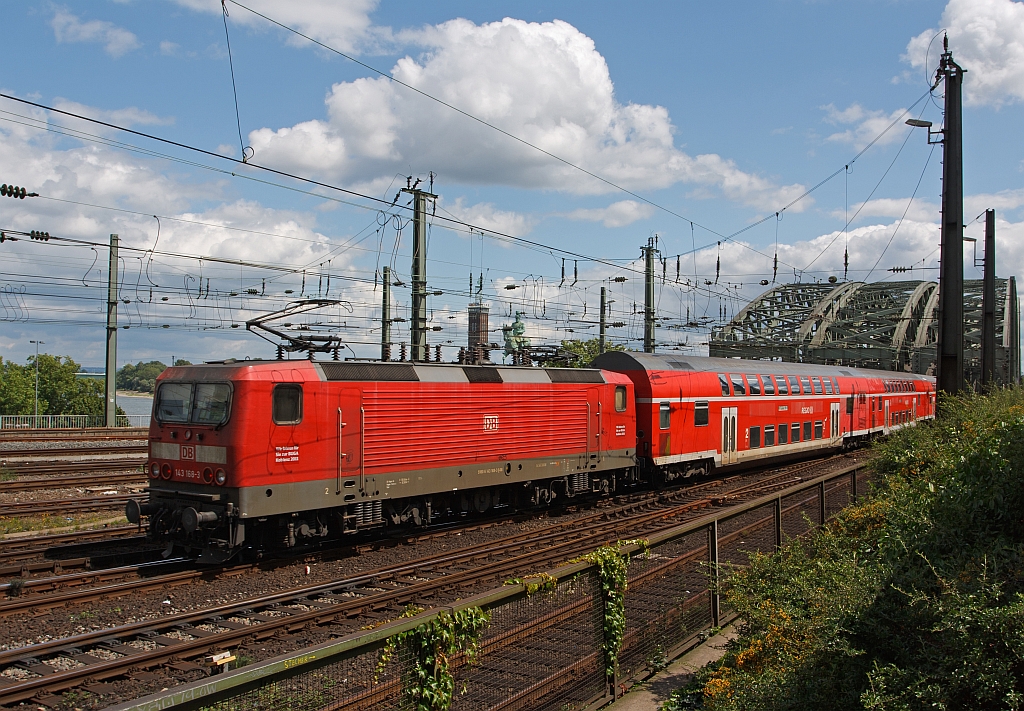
x=482, y=500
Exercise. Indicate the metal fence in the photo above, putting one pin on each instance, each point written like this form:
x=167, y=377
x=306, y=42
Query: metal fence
x=543, y=650
x=63, y=422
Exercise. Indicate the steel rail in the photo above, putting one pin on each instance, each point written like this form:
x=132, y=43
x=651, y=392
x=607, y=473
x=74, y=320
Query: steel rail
x=72, y=482
x=390, y=589
x=73, y=435
x=89, y=503
x=216, y=688
x=75, y=451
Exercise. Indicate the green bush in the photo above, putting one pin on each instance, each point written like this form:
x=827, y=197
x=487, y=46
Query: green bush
x=912, y=600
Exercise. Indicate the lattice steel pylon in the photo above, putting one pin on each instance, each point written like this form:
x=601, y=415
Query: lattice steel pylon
x=882, y=325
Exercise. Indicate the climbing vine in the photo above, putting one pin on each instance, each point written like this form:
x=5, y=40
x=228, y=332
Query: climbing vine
x=545, y=582
x=611, y=569
x=434, y=645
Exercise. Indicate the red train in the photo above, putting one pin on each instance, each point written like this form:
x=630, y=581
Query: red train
x=253, y=456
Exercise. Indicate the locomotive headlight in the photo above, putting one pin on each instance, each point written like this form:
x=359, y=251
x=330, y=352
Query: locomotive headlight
x=208, y=475
x=221, y=476
x=154, y=470
x=166, y=472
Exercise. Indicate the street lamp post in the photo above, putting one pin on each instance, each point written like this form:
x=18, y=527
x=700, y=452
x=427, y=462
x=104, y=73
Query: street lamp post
x=38, y=343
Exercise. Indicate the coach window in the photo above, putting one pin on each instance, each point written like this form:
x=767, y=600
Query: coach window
x=783, y=433
x=738, y=388
x=769, y=386
x=287, y=409
x=807, y=432
x=620, y=398
x=835, y=386
x=783, y=386
x=828, y=385
x=817, y=385
x=753, y=385
x=806, y=382
x=724, y=383
x=795, y=431
x=769, y=436
x=665, y=415
x=755, y=437
x=819, y=428
x=700, y=413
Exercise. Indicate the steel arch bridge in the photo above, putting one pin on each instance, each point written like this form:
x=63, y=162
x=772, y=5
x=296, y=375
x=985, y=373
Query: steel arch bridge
x=888, y=325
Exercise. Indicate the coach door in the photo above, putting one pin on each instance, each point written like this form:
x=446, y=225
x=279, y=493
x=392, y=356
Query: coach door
x=834, y=422
x=351, y=419
x=729, y=435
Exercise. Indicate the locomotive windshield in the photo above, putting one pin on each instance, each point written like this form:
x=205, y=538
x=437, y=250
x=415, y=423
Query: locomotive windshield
x=195, y=403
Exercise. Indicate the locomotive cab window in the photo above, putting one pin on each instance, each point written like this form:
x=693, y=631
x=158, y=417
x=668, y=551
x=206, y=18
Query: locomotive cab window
x=665, y=416
x=287, y=409
x=700, y=413
x=173, y=402
x=620, y=398
x=210, y=403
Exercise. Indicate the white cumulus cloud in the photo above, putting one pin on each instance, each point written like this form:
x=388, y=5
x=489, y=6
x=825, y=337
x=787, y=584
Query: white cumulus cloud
x=545, y=83
x=866, y=124
x=618, y=214
x=115, y=40
x=488, y=217
x=345, y=26
x=987, y=39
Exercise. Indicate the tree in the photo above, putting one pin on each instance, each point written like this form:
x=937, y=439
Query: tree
x=60, y=392
x=17, y=389
x=581, y=353
x=142, y=377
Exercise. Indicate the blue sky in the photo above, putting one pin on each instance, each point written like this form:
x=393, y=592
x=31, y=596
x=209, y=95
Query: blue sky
x=722, y=114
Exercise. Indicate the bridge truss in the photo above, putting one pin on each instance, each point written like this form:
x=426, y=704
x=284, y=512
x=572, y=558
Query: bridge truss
x=890, y=325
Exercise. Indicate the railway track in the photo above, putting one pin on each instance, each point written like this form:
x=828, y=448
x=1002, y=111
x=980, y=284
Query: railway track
x=75, y=451
x=74, y=435
x=77, y=505
x=375, y=595
x=61, y=466
x=28, y=548
x=71, y=482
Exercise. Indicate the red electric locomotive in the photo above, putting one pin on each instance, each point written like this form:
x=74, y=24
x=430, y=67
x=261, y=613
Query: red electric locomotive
x=253, y=455
x=695, y=414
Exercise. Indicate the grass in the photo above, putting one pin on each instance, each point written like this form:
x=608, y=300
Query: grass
x=73, y=522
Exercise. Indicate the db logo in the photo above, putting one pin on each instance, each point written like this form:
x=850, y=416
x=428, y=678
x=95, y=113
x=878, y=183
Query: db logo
x=188, y=451
x=490, y=423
